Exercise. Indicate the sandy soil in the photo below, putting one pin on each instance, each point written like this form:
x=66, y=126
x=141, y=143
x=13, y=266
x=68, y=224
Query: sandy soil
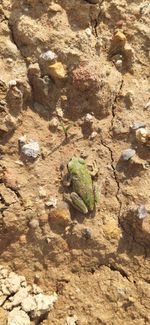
x=98, y=265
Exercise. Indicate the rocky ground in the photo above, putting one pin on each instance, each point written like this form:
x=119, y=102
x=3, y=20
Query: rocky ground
x=75, y=81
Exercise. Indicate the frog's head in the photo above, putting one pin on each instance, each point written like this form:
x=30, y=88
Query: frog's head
x=75, y=163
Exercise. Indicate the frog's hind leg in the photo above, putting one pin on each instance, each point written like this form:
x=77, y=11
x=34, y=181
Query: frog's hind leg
x=78, y=203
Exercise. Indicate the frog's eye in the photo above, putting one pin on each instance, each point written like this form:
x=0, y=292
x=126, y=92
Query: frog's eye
x=81, y=160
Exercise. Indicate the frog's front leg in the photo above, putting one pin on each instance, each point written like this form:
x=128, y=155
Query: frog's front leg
x=93, y=168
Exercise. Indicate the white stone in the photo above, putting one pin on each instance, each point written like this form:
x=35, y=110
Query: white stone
x=88, y=117
x=18, y=317
x=12, y=83
x=19, y=296
x=48, y=56
x=71, y=320
x=28, y=304
x=88, y=31
x=93, y=135
x=31, y=149
x=12, y=283
x=44, y=303
x=118, y=64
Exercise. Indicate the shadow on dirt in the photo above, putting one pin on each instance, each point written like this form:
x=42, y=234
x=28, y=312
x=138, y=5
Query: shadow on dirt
x=135, y=240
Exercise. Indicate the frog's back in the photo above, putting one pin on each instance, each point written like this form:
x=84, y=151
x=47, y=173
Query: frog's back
x=83, y=185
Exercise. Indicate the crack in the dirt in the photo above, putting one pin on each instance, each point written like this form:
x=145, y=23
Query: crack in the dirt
x=114, y=268
x=113, y=107
x=95, y=22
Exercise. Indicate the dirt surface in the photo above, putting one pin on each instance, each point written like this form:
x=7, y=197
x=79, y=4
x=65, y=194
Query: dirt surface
x=98, y=265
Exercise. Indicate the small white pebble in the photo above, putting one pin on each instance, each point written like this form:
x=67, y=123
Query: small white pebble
x=88, y=31
x=142, y=212
x=12, y=83
x=48, y=56
x=9, y=60
x=88, y=117
x=127, y=154
x=118, y=64
x=31, y=149
x=93, y=135
x=52, y=203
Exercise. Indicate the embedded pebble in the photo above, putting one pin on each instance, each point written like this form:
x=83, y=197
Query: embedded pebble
x=12, y=83
x=118, y=64
x=71, y=320
x=142, y=212
x=31, y=149
x=48, y=56
x=88, y=31
x=57, y=71
x=127, y=154
x=93, y=135
x=60, y=216
x=141, y=135
x=119, y=37
x=88, y=118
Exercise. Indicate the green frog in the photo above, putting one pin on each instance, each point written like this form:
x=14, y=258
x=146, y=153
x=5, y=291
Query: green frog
x=83, y=196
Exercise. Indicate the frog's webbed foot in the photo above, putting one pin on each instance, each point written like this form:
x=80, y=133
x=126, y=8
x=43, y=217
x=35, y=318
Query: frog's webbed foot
x=93, y=168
